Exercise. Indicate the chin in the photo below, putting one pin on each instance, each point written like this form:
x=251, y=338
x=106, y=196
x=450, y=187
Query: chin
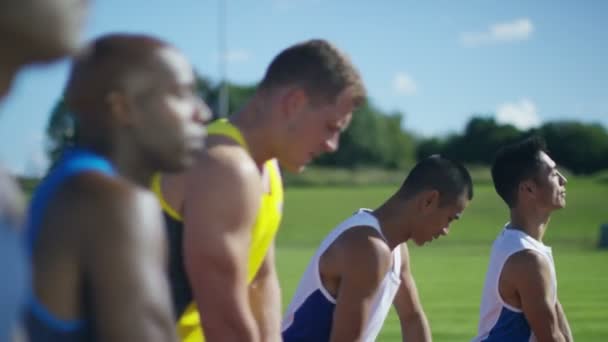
x=418, y=242
x=293, y=168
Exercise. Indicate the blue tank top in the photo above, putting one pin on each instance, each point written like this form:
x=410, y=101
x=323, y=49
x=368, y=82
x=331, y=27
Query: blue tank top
x=40, y=323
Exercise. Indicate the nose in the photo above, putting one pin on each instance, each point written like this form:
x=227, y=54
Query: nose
x=331, y=145
x=562, y=179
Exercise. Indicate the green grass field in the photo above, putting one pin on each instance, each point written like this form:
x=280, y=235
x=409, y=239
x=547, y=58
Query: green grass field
x=450, y=272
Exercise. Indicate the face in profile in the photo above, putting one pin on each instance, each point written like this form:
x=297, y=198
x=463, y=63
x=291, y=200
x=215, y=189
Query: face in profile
x=437, y=218
x=171, y=116
x=44, y=29
x=551, y=184
x=316, y=130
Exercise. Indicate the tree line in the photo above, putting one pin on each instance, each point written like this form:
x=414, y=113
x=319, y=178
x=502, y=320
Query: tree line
x=377, y=138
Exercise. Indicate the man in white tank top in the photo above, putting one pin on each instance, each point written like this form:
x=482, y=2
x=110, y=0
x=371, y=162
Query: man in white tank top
x=362, y=267
x=519, y=301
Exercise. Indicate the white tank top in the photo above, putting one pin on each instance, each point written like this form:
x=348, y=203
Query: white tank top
x=310, y=313
x=498, y=320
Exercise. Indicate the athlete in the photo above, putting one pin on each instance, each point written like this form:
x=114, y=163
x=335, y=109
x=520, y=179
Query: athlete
x=224, y=212
x=362, y=267
x=95, y=232
x=519, y=301
x=52, y=30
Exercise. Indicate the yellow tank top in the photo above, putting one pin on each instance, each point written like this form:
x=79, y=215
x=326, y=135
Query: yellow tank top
x=263, y=233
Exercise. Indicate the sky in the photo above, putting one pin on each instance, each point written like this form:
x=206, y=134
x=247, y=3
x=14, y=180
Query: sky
x=437, y=62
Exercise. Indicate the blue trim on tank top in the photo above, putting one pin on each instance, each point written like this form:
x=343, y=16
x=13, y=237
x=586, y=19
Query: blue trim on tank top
x=41, y=313
x=73, y=161
x=511, y=326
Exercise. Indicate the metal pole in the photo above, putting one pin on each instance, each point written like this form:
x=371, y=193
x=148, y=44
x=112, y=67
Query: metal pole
x=223, y=94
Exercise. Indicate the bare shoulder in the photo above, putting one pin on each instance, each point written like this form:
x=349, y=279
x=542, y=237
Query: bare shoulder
x=222, y=189
x=224, y=164
x=364, y=248
x=525, y=266
x=527, y=260
x=112, y=207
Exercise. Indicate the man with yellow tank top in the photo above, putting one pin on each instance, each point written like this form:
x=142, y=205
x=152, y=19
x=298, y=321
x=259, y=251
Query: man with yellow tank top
x=224, y=212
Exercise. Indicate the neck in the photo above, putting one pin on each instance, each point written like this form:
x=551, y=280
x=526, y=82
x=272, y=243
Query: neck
x=531, y=222
x=255, y=130
x=128, y=163
x=132, y=168
x=394, y=227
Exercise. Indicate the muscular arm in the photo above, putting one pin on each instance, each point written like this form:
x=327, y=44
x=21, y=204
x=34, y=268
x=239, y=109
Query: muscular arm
x=414, y=325
x=528, y=273
x=564, y=326
x=220, y=205
x=125, y=265
x=361, y=263
x=265, y=298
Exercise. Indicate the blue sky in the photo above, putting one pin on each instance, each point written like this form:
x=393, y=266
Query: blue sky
x=437, y=62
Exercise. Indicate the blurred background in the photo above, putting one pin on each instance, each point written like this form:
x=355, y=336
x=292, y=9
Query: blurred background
x=457, y=78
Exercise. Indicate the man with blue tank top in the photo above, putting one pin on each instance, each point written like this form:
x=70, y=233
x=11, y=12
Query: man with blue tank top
x=55, y=34
x=95, y=232
x=519, y=301
x=362, y=267
x=224, y=212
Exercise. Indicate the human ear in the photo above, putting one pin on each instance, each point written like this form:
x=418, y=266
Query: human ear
x=119, y=106
x=428, y=200
x=293, y=102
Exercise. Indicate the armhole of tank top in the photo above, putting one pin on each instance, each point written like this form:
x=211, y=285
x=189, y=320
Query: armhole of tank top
x=395, y=273
x=317, y=272
x=38, y=309
x=41, y=313
x=497, y=288
x=165, y=206
x=321, y=251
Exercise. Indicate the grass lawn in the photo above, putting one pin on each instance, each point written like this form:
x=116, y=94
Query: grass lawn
x=450, y=272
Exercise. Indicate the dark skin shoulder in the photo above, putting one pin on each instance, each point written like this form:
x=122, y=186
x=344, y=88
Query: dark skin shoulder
x=108, y=234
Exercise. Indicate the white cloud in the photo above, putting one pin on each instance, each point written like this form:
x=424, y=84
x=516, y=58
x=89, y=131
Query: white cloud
x=522, y=114
x=516, y=30
x=237, y=56
x=403, y=84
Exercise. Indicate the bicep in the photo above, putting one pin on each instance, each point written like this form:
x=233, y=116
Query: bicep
x=407, y=301
x=360, y=275
x=218, y=214
x=531, y=276
x=352, y=309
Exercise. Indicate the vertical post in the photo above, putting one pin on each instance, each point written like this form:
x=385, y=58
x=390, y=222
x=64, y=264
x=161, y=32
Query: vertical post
x=223, y=93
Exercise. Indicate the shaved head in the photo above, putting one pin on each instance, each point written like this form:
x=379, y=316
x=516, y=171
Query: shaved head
x=129, y=65
x=132, y=91
x=112, y=63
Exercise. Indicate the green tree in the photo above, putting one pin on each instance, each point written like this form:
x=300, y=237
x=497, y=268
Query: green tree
x=373, y=139
x=581, y=148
